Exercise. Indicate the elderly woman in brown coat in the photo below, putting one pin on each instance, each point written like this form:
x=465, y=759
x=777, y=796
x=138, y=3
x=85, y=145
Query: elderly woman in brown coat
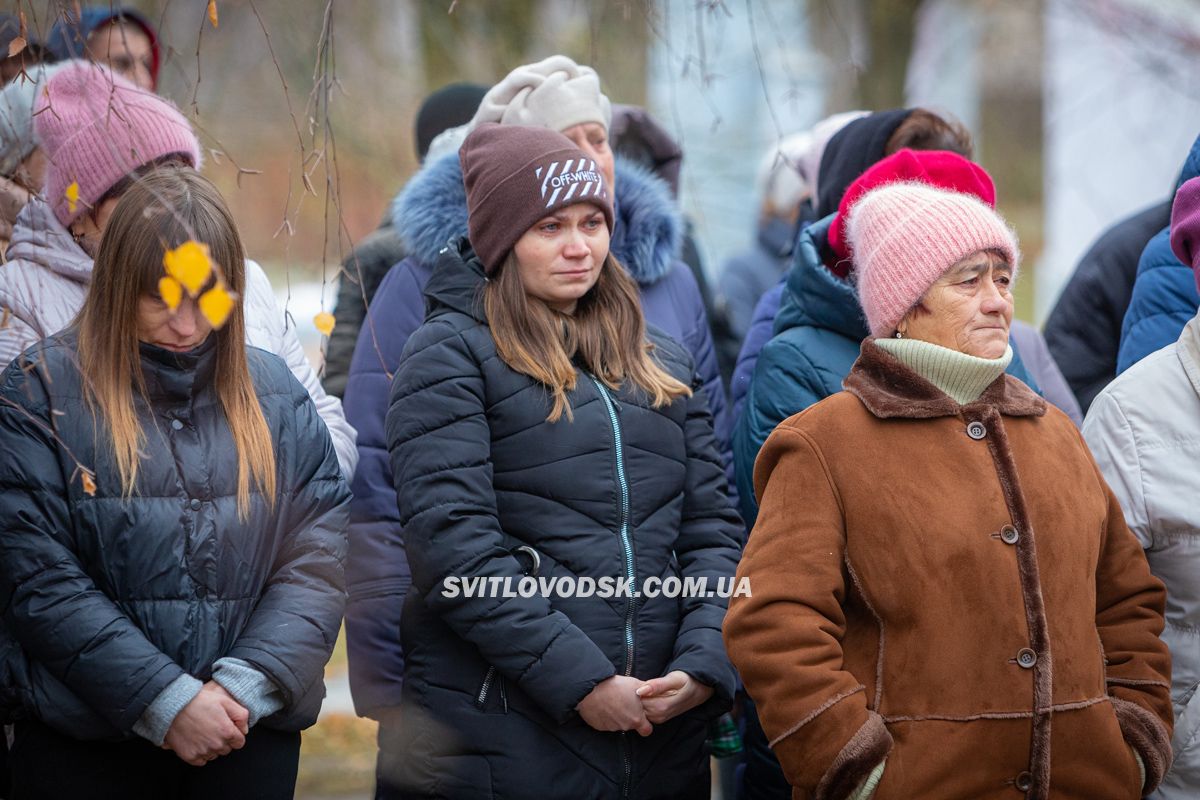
x=946, y=602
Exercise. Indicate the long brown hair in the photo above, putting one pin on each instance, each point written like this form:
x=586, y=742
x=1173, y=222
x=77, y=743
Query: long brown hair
x=607, y=332
x=161, y=210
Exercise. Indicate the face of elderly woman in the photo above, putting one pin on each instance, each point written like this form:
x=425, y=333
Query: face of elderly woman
x=592, y=139
x=969, y=309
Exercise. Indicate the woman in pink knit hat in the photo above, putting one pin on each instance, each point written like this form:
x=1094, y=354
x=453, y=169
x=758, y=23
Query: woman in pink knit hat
x=100, y=135
x=946, y=599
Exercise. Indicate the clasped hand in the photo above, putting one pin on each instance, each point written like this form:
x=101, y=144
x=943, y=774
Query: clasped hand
x=622, y=703
x=213, y=724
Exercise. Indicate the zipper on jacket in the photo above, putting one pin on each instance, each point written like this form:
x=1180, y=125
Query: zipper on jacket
x=630, y=571
x=481, y=698
x=626, y=542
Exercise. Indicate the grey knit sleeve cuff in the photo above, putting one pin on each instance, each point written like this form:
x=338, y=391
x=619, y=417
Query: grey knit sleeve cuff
x=249, y=686
x=157, y=718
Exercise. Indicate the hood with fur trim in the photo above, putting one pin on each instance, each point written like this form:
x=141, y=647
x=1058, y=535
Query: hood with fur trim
x=431, y=210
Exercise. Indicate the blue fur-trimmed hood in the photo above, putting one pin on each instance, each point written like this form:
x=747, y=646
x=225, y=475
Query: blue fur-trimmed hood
x=431, y=210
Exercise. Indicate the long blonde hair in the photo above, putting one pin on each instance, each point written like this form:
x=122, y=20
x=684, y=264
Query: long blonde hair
x=162, y=209
x=607, y=332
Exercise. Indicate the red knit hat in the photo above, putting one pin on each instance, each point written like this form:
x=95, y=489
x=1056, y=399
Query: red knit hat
x=939, y=168
x=514, y=176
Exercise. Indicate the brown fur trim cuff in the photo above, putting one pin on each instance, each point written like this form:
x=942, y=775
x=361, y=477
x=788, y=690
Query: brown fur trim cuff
x=1146, y=734
x=866, y=748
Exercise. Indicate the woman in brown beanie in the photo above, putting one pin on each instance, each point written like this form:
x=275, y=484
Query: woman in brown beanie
x=947, y=602
x=555, y=469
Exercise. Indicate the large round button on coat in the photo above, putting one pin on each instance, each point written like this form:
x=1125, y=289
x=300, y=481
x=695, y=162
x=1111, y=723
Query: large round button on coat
x=176, y=424
x=1026, y=658
x=1024, y=782
x=195, y=504
x=1009, y=535
x=976, y=430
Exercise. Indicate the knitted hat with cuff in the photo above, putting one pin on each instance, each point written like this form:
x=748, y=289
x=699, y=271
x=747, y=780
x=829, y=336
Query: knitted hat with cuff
x=515, y=176
x=554, y=93
x=96, y=128
x=905, y=236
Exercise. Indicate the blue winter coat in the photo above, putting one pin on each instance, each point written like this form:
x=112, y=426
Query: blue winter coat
x=108, y=599
x=1164, y=292
x=488, y=488
x=428, y=213
x=762, y=328
x=818, y=332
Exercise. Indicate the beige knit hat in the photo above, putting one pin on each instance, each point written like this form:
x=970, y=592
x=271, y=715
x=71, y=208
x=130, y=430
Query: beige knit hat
x=555, y=93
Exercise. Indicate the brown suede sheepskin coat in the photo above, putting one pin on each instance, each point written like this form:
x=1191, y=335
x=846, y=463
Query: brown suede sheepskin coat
x=952, y=588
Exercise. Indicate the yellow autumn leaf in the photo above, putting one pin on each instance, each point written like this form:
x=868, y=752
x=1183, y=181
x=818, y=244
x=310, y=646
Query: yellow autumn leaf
x=89, y=484
x=16, y=46
x=215, y=305
x=190, y=265
x=324, y=322
x=212, y=12
x=170, y=291
x=72, y=197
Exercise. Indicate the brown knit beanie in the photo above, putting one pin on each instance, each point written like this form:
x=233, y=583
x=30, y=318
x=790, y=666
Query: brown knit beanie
x=514, y=176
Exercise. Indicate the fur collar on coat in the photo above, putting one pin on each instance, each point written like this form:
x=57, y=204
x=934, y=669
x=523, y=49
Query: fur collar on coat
x=889, y=388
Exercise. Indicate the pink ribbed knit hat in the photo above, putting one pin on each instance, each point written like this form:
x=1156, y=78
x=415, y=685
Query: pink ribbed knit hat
x=904, y=236
x=96, y=128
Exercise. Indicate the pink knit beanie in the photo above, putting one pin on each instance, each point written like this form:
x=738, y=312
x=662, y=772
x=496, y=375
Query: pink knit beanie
x=96, y=128
x=904, y=236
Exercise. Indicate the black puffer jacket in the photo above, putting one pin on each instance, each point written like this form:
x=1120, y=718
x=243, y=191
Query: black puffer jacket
x=491, y=684
x=107, y=600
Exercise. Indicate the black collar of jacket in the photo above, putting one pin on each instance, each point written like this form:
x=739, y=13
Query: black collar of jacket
x=457, y=281
x=891, y=389
x=178, y=376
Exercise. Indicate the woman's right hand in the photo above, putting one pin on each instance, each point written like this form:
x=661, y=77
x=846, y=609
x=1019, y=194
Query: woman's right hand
x=212, y=724
x=613, y=705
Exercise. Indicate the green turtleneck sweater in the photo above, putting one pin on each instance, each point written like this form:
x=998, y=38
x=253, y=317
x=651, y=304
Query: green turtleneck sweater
x=959, y=375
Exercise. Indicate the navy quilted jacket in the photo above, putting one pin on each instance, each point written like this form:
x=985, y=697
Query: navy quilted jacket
x=621, y=491
x=106, y=600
